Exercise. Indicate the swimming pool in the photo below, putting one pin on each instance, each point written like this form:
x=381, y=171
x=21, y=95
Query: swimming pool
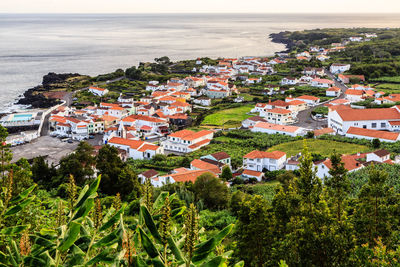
x=21, y=117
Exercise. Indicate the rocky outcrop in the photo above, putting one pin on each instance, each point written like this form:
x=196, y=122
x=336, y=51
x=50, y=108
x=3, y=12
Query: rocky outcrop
x=281, y=38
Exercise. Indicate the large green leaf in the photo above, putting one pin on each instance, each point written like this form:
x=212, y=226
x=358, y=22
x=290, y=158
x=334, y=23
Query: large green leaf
x=138, y=262
x=148, y=244
x=15, y=251
x=17, y=208
x=113, y=220
x=157, y=262
x=13, y=230
x=178, y=212
x=83, y=210
x=76, y=257
x=22, y=195
x=105, y=256
x=215, y=262
x=70, y=237
x=160, y=200
x=204, y=249
x=175, y=250
x=88, y=192
x=148, y=220
x=108, y=240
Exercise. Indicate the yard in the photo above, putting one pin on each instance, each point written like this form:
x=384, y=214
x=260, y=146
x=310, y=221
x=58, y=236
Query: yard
x=322, y=147
x=229, y=118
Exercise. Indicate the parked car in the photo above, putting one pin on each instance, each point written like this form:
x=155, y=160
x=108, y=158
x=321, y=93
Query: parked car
x=70, y=141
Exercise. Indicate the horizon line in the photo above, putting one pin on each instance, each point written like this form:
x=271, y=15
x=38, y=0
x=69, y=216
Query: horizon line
x=219, y=13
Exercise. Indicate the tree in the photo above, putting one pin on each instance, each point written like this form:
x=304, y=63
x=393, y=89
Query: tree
x=110, y=166
x=338, y=184
x=375, y=214
x=43, y=173
x=226, y=174
x=212, y=191
x=308, y=184
x=376, y=143
x=133, y=73
x=22, y=176
x=254, y=232
x=80, y=164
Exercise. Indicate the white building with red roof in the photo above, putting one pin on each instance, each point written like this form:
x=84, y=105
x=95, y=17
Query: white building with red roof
x=354, y=95
x=350, y=162
x=260, y=161
x=186, y=141
x=333, y=91
x=278, y=116
x=136, y=149
x=310, y=100
x=98, y=91
x=322, y=83
x=369, y=134
x=375, y=119
x=270, y=128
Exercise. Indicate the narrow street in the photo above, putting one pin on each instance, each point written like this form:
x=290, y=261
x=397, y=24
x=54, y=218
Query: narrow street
x=304, y=117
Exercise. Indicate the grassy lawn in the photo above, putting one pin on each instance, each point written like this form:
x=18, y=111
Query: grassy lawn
x=323, y=147
x=395, y=79
x=389, y=87
x=228, y=117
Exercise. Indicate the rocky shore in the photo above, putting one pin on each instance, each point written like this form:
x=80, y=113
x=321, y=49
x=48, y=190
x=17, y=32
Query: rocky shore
x=281, y=38
x=35, y=98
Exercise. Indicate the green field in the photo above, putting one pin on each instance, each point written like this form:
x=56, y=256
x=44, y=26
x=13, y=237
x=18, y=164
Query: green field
x=395, y=79
x=389, y=87
x=230, y=118
x=323, y=147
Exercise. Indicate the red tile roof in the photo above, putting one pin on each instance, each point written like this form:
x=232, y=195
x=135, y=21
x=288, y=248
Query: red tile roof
x=198, y=144
x=252, y=173
x=202, y=165
x=188, y=176
x=369, y=114
x=255, y=154
x=276, y=127
x=373, y=133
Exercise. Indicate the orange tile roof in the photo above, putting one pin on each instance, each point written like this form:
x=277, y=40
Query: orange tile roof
x=374, y=133
x=323, y=131
x=308, y=97
x=146, y=147
x=252, y=173
x=109, y=118
x=276, y=127
x=188, y=176
x=97, y=88
x=202, y=165
x=198, y=144
x=354, y=92
x=369, y=114
x=350, y=163
x=134, y=144
x=146, y=118
x=296, y=102
x=256, y=154
x=279, y=111
x=333, y=89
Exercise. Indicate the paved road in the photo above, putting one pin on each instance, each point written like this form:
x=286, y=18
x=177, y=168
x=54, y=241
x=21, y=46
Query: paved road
x=304, y=117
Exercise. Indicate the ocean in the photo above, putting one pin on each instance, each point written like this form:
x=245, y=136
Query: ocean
x=31, y=45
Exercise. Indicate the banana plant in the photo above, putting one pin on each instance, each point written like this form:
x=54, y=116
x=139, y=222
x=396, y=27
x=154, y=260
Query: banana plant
x=77, y=242
x=171, y=247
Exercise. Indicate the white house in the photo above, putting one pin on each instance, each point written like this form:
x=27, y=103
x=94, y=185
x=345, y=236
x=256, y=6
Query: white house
x=333, y=91
x=98, y=91
x=369, y=134
x=322, y=83
x=278, y=116
x=186, y=141
x=374, y=118
x=289, y=81
x=310, y=100
x=270, y=128
x=203, y=101
x=261, y=160
x=381, y=156
x=350, y=164
x=136, y=149
x=339, y=68
x=252, y=121
x=354, y=95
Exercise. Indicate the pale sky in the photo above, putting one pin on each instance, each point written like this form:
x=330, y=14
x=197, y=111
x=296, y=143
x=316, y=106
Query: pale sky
x=199, y=6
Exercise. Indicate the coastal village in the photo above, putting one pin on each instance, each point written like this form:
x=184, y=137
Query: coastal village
x=311, y=102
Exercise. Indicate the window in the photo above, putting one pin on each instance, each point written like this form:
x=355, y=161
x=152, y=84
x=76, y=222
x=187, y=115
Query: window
x=373, y=125
x=383, y=125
